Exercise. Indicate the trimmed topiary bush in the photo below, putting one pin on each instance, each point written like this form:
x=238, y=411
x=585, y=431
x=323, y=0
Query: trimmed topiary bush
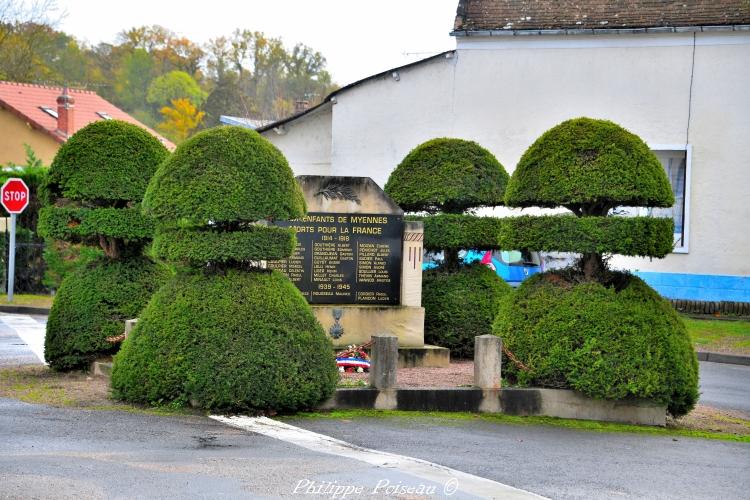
x=455, y=232
x=225, y=333
x=92, y=304
x=460, y=305
x=636, y=236
x=453, y=176
x=106, y=163
x=591, y=164
x=216, y=179
x=605, y=334
x=613, y=340
x=447, y=175
x=237, y=341
x=589, y=167
x=92, y=193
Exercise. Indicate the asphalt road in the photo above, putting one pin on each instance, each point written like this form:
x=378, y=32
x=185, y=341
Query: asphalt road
x=725, y=386
x=65, y=453
x=557, y=462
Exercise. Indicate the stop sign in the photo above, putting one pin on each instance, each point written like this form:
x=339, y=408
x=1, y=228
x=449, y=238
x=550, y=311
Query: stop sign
x=14, y=195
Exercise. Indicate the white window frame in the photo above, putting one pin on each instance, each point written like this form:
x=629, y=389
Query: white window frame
x=688, y=148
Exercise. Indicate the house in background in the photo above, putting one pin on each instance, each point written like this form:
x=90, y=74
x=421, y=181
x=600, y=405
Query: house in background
x=675, y=73
x=44, y=117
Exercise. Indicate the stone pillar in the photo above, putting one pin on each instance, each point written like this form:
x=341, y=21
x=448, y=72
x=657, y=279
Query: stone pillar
x=411, y=264
x=487, y=361
x=129, y=325
x=383, y=361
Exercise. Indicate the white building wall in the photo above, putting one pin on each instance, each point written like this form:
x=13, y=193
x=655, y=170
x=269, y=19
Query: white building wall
x=377, y=123
x=306, y=143
x=506, y=91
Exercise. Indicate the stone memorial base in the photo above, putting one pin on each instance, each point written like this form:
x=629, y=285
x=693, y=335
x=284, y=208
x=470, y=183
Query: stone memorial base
x=349, y=324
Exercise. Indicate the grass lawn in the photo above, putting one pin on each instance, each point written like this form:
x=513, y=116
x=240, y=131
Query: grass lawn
x=702, y=423
x=41, y=385
x=719, y=335
x=28, y=300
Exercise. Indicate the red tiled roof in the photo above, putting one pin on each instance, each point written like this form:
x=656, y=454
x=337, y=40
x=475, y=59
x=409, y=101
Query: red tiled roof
x=24, y=100
x=480, y=15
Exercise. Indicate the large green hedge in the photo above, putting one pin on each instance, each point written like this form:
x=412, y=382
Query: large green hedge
x=226, y=334
x=616, y=341
x=460, y=305
x=92, y=304
x=105, y=162
x=585, y=161
x=460, y=231
x=638, y=236
x=224, y=174
x=447, y=175
x=236, y=341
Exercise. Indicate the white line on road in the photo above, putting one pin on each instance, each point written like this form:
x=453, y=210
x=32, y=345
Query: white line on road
x=466, y=483
x=30, y=331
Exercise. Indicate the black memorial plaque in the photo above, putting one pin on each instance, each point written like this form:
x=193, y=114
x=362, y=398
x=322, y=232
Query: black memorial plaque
x=346, y=258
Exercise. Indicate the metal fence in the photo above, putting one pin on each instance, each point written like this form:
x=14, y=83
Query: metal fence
x=30, y=265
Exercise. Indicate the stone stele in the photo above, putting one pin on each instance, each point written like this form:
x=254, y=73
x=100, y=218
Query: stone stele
x=347, y=318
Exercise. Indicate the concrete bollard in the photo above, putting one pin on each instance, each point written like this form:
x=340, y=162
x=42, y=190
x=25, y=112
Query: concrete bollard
x=487, y=361
x=129, y=325
x=384, y=361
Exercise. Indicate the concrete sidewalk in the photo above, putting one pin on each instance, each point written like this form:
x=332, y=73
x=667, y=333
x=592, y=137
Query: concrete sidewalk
x=21, y=339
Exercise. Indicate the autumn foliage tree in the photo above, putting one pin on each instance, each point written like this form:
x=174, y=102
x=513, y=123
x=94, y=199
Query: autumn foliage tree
x=181, y=119
x=244, y=73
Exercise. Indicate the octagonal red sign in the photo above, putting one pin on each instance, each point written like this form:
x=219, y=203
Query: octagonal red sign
x=14, y=195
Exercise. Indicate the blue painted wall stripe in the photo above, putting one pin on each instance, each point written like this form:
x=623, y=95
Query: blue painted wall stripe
x=708, y=287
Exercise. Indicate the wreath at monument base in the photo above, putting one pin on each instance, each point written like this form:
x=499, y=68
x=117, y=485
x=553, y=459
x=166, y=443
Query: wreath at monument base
x=354, y=359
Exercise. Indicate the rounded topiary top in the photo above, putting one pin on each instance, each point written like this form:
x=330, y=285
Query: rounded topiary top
x=224, y=174
x=585, y=162
x=447, y=175
x=105, y=162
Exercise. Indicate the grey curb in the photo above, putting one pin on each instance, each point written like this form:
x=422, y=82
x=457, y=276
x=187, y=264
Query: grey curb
x=717, y=357
x=11, y=309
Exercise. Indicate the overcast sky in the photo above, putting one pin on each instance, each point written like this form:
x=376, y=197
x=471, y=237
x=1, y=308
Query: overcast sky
x=357, y=37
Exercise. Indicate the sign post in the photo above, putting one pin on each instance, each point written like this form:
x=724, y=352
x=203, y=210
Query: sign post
x=14, y=196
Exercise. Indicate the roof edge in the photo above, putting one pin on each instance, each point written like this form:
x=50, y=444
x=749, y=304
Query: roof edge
x=32, y=122
x=603, y=31
x=357, y=83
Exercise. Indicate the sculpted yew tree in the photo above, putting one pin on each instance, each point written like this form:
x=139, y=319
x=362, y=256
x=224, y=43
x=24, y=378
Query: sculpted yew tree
x=225, y=333
x=599, y=331
x=92, y=195
x=448, y=179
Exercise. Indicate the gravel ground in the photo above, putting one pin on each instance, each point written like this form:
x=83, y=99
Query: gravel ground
x=459, y=373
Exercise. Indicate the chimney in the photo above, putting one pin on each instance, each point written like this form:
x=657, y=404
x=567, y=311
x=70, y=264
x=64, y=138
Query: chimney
x=300, y=106
x=65, y=123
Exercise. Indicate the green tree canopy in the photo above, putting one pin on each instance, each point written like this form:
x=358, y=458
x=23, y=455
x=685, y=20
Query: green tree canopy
x=175, y=85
